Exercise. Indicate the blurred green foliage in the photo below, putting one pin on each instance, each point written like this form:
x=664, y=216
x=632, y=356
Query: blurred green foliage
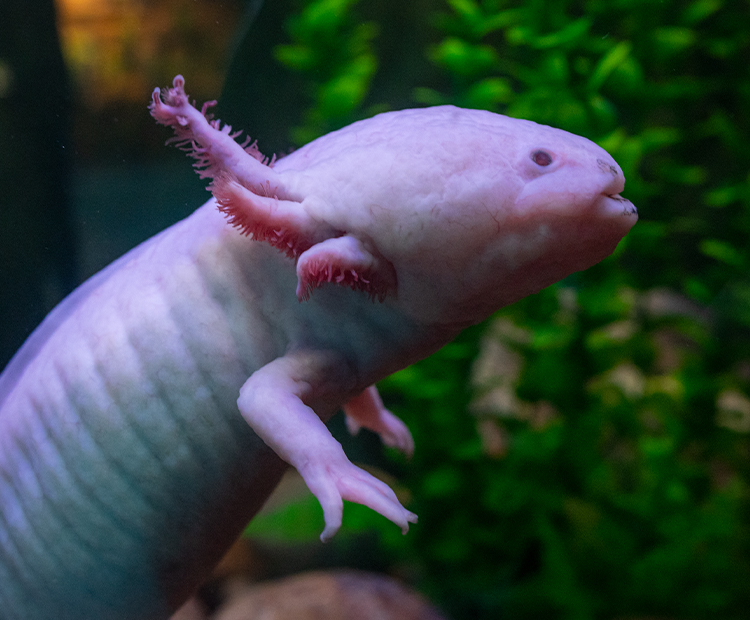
x=586, y=454
x=332, y=47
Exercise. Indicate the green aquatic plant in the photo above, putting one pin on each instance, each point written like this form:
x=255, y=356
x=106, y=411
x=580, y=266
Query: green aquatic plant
x=334, y=50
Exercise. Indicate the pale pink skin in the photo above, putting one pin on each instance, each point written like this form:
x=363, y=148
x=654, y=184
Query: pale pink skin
x=125, y=465
x=443, y=214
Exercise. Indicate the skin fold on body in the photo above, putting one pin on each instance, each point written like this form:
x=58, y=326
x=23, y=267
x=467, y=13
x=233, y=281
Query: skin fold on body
x=152, y=413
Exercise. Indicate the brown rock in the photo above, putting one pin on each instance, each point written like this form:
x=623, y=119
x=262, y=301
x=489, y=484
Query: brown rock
x=329, y=595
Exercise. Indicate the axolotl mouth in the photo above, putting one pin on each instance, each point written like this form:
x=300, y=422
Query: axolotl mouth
x=612, y=203
x=619, y=204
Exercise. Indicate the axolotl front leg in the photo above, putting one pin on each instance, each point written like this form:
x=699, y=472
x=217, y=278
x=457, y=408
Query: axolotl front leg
x=277, y=400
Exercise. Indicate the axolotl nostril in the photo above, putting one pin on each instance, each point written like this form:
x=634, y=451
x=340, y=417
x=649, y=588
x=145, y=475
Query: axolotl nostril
x=282, y=299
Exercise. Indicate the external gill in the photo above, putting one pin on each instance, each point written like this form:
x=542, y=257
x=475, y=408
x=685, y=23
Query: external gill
x=203, y=138
x=248, y=191
x=347, y=261
x=283, y=224
x=254, y=199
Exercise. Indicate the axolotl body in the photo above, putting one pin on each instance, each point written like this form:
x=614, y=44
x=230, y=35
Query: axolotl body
x=127, y=468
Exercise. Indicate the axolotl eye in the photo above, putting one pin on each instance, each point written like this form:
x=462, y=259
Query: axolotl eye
x=541, y=158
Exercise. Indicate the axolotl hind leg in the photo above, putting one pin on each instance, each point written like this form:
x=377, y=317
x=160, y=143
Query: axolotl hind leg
x=367, y=410
x=275, y=402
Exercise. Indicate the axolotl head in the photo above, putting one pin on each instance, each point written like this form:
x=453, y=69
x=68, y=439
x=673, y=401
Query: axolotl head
x=464, y=211
x=447, y=213
x=526, y=205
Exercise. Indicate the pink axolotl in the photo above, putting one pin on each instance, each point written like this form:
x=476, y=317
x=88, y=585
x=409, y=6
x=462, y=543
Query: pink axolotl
x=126, y=466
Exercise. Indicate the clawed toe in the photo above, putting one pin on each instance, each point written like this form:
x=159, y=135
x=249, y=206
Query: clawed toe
x=332, y=485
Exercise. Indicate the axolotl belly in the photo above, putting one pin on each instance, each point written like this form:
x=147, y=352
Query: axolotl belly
x=151, y=414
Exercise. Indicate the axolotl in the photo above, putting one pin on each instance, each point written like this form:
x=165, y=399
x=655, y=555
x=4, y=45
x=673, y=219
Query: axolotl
x=127, y=468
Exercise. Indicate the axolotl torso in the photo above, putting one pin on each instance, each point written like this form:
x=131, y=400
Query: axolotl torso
x=280, y=301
